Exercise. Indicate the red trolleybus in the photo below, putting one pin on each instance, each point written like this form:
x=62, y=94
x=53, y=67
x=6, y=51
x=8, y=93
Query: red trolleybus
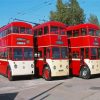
x=51, y=50
x=84, y=50
x=16, y=50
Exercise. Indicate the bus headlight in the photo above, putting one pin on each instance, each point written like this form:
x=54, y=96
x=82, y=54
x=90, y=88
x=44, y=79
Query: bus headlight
x=15, y=66
x=67, y=66
x=54, y=67
x=32, y=66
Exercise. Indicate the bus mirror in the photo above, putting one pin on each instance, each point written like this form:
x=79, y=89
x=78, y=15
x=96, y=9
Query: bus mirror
x=37, y=54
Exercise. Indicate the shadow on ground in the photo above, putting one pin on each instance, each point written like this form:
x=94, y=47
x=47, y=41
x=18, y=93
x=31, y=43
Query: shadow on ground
x=8, y=96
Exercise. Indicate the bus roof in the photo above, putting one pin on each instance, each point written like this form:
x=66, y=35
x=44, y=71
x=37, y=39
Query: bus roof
x=17, y=23
x=53, y=23
x=86, y=25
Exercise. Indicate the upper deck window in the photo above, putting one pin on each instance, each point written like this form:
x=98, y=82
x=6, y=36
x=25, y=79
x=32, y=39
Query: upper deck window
x=54, y=29
x=28, y=31
x=15, y=29
x=35, y=33
x=83, y=31
x=97, y=32
x=62, y=31
x=40, y=31
x=46, y=29
x=22, y=30
x=91, y=32
x=76, y=33
x=69, y=33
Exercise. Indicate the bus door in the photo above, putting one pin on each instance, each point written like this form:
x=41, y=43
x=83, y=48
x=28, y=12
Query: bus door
x=44, y=58
x=81, y=56
x=75, y=63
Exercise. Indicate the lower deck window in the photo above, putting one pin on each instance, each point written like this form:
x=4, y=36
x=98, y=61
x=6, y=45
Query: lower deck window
x=28, y=53
x=23, y=53
x=64, y=52
x=60, y=52
x=55, y=53
x=18, y=54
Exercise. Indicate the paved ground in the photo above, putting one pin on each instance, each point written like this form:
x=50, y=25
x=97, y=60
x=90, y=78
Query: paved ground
x=60, y=89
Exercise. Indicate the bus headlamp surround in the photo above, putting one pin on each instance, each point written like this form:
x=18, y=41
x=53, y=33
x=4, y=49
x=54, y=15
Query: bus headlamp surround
x=32, y=66
x=54, y=67
x=15, y=66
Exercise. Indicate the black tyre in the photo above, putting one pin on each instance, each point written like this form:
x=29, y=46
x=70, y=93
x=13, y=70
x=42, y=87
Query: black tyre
x=85, y=72
x=47, y=73
x=9, y=74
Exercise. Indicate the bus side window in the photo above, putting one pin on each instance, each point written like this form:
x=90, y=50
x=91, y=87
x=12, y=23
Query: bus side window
x=97, y=32
x=69, y=33
x=5, y=54
x=98, y=52
x=83, y=31
x=91, y=32
x=48, y=53
x=46, y=30
x=9, y=53
x=75, y=33
x=35, y=33
x=75, y=54
x=93, y=53
x=87, y=53
x=40, y=31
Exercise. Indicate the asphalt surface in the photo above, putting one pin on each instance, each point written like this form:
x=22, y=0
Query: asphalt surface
x=72, y=88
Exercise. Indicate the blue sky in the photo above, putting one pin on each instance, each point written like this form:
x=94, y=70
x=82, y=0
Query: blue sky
x=38, y=10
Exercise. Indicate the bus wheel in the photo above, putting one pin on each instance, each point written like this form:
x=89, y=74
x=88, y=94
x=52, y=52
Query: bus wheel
x=9, y=74
x=85, y=73
x=47, y=73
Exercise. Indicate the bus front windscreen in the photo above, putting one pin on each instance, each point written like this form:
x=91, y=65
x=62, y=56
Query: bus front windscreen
x=59, y=52
x=93, y=53
x=17, y=53
x=28, y=53
x=64, y=52
x=56, y=53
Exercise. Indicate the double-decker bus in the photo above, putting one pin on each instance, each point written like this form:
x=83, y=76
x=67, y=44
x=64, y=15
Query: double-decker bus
x=16, y=50
x=51, y=50
x=84, y=50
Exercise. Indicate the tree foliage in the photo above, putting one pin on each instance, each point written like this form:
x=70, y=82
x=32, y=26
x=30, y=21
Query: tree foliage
x=93, y=19
x=69, y=13
x=60, y=13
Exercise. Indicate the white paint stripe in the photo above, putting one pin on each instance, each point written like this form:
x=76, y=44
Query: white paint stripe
x=50, y=35
x=3, y=60
x=83, y=36
x=17, y=34
x=17, y=46
x=75, y=59
x=83, y=46
x=52, y=45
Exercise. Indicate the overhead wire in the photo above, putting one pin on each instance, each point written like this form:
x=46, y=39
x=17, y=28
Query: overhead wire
x=34, y=8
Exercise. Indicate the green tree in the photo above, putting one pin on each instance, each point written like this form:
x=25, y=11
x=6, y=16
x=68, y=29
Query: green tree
x=76, y=15
x=69, y=13
x=59, y=14
x=93, y=19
